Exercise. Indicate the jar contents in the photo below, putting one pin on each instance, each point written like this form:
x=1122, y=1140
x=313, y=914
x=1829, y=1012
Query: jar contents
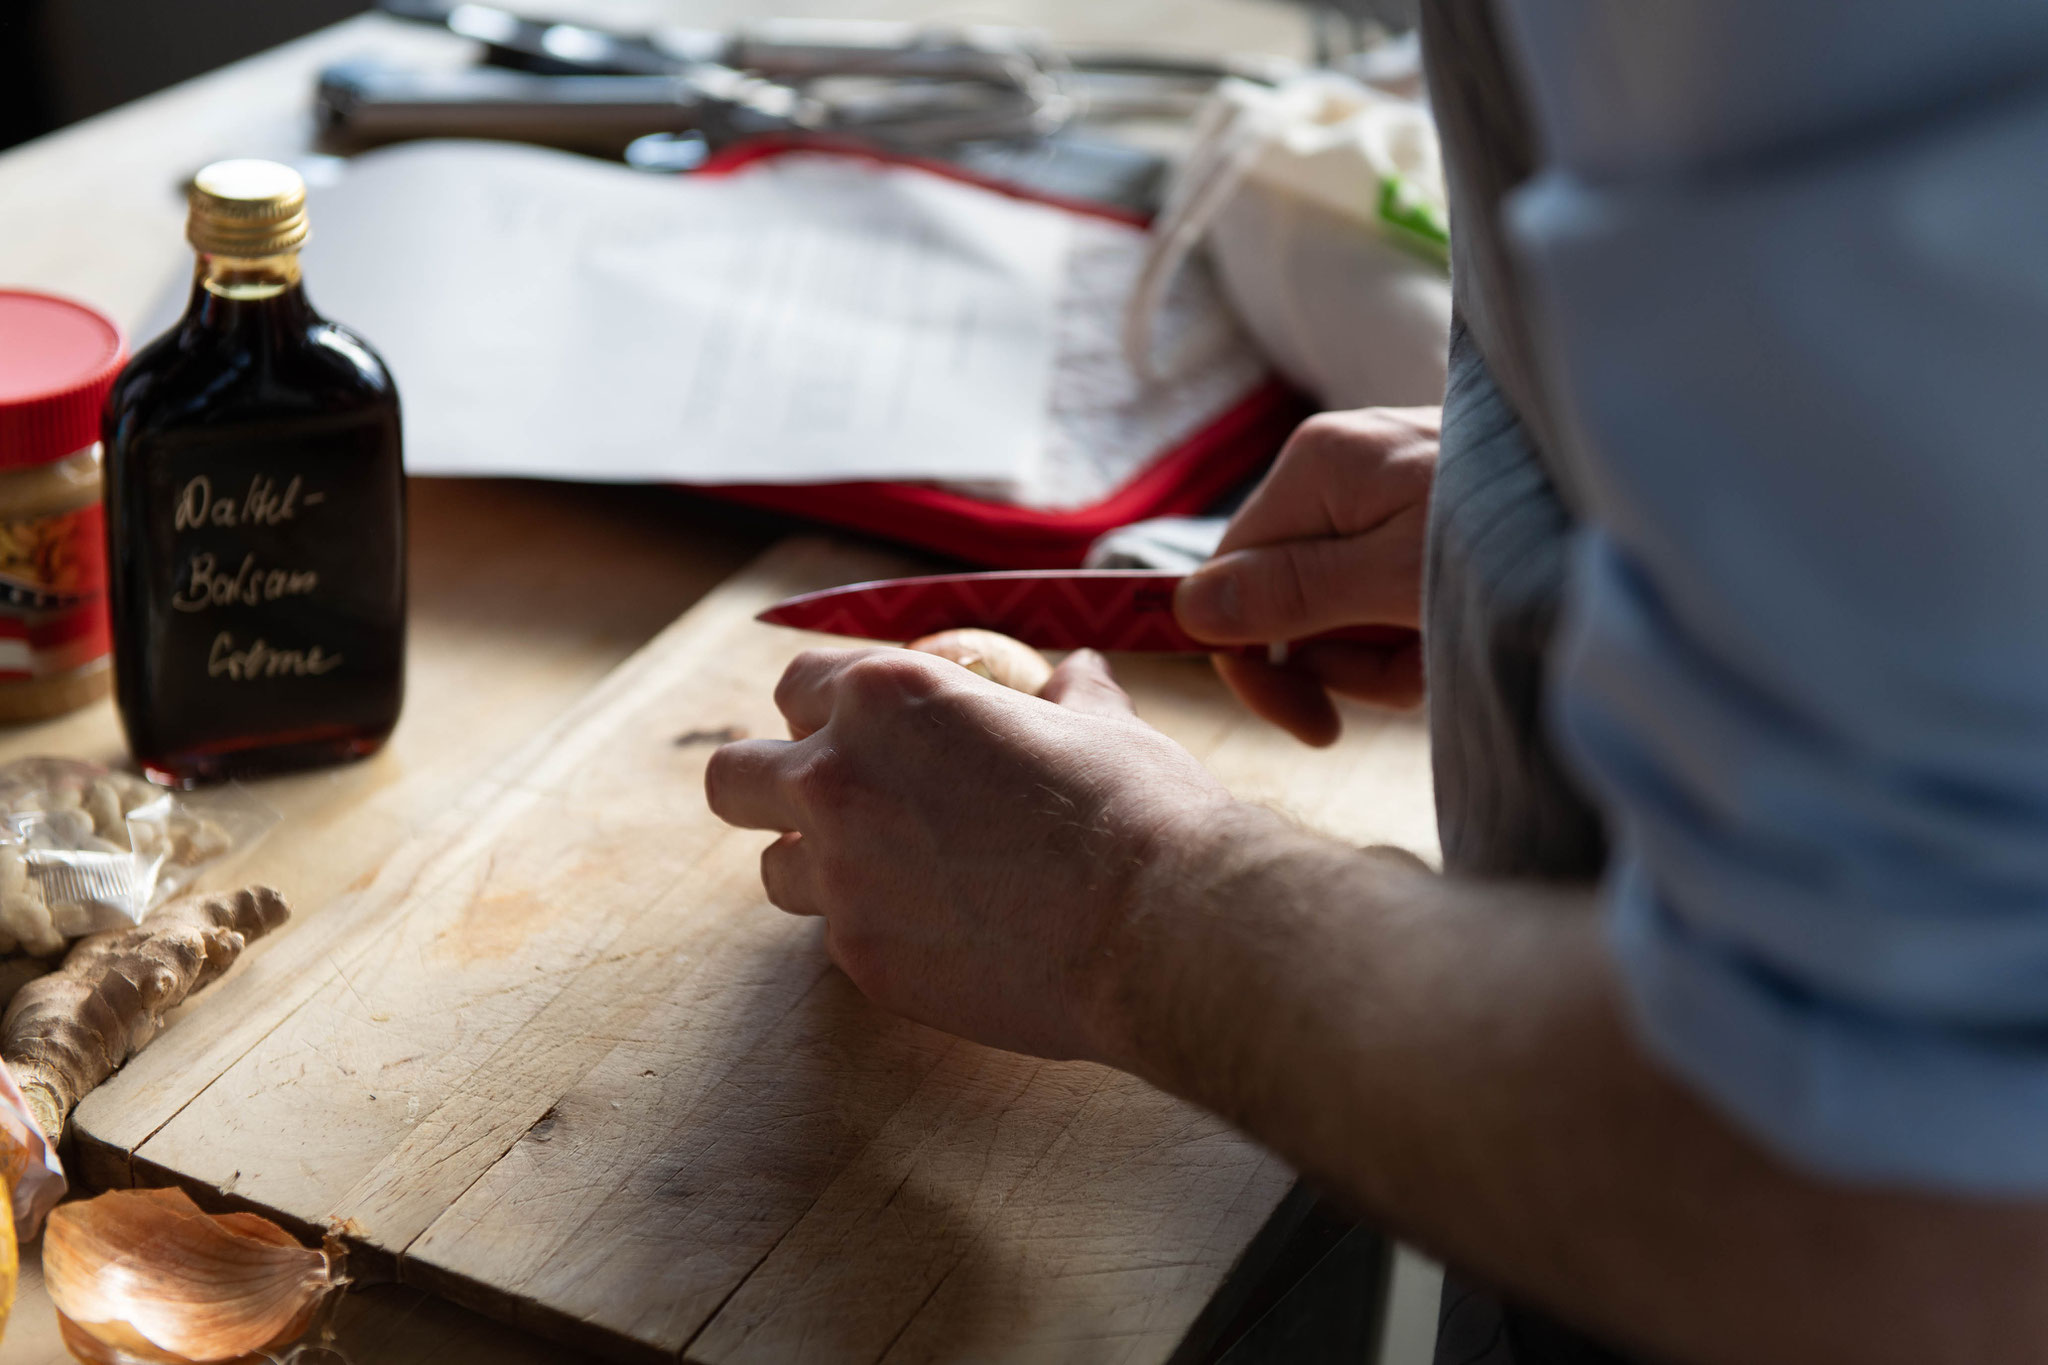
x=57, y=361
x=256, y=511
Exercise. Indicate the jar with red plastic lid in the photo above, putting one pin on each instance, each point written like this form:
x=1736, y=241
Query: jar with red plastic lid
x=58, y=359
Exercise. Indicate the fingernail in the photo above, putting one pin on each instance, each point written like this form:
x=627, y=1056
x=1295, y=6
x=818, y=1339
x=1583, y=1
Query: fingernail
x=1207, y=600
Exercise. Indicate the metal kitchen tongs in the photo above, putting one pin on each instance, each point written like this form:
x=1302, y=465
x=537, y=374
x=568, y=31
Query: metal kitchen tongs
x=672, y=94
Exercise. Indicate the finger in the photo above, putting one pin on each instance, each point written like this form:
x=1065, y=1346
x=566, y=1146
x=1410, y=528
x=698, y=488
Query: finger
x=1292, y=700
x=1388, y=676
x=786, y=875
x=806, y=692
x=1396, y=856
x=746, y=784
x=1083, y=682
x=1303, y=587
x=1340, y=473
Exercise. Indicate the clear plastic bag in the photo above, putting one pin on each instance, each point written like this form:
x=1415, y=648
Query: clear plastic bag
x=85, y=848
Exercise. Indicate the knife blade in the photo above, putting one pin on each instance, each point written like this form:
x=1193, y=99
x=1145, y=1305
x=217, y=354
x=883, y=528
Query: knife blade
x=1106, y=609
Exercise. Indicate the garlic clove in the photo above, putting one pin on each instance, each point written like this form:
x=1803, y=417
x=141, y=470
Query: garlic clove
x=996, y=657
x=149, y=1276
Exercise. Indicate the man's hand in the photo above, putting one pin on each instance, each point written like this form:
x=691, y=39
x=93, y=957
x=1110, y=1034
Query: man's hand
x=976, y=853
x=1453, y=1056
x=1332, y=537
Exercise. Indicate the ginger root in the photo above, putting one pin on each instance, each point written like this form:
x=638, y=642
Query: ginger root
x=66, y=1032
x=25, y=919
x=996, y=657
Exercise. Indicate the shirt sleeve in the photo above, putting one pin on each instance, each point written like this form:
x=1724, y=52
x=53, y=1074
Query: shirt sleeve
x=1789, y=263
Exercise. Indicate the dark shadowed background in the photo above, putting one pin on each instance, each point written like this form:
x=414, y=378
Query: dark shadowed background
x=62, y=60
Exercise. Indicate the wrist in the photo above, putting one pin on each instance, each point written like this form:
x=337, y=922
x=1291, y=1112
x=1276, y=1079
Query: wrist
x=1156, y=979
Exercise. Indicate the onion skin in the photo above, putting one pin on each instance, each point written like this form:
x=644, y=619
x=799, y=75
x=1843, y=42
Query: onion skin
x=10, y=1263
x=146, y=1275
x=998, y=658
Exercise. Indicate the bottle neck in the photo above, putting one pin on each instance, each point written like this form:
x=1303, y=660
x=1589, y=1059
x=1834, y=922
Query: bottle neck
x=249, y=278
x=227, y=290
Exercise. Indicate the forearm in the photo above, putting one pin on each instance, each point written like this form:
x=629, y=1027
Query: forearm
x=1453, y=1057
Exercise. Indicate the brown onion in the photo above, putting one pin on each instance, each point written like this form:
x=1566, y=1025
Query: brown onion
x=996, y=657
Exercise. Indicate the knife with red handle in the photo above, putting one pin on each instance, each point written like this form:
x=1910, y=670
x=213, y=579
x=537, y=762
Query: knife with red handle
x=1106, y=609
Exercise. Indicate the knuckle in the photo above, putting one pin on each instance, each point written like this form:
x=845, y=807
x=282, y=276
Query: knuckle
x=800, y=670
x=920, y=677
x=1309, y=448
x=1413, y=464
x=1278, y=592
x=865, y=684
x=1324, y=429
x=1292, y=586
x=825, y=781
x=1338, y=465
x=1365, y=436
x=888, y=678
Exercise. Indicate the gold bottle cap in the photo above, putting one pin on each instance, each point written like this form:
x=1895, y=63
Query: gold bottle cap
x=247, y=209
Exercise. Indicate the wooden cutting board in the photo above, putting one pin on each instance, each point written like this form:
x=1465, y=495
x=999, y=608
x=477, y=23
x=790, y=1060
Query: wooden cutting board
x=557, y=1060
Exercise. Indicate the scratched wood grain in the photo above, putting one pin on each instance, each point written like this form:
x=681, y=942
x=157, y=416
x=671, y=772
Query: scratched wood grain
x=558, y=1061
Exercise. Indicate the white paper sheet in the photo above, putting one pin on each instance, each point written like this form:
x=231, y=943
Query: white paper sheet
x=808, y=319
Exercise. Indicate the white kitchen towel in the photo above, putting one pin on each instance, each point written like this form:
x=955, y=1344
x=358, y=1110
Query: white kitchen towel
x=1322, y=204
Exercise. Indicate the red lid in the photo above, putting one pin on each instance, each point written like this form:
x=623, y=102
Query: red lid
x=57, y=361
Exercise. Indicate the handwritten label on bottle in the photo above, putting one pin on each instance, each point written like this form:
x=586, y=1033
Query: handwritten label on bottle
x=259, y=660
x=208, y=586
x=262, y=505
x=213, y=582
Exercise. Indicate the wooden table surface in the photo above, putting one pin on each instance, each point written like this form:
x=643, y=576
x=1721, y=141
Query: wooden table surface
x=523, y=595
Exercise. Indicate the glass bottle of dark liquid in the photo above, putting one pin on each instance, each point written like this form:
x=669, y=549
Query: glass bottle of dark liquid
x=255, y=511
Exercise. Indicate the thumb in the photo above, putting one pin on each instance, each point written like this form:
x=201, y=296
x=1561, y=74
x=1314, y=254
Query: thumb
x=1083, y=682
x=1294, y=589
